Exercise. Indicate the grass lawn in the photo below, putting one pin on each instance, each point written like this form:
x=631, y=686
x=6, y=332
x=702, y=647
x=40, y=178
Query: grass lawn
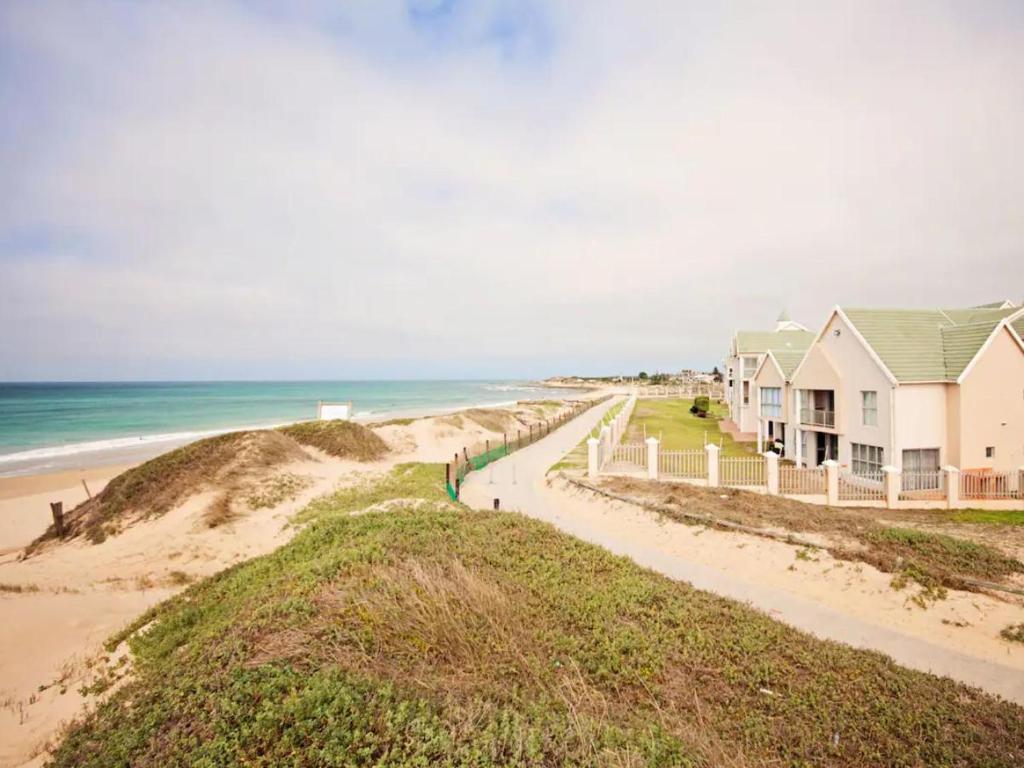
x=989, y=516
x=577, y=457
x=428, y=634
x=681, y=430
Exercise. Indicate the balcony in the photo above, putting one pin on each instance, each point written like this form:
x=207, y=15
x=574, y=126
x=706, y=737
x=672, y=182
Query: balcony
x=815, y=417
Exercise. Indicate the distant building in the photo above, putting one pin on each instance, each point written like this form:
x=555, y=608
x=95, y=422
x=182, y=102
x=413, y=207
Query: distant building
x=747, y=352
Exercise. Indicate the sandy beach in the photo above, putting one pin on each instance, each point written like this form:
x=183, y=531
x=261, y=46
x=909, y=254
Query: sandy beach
x=59, y=605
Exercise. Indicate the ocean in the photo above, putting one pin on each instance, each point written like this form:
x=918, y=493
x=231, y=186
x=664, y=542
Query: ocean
x=46, y=427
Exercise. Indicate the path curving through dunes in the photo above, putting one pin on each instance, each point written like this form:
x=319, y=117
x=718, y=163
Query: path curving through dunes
x=520, y=482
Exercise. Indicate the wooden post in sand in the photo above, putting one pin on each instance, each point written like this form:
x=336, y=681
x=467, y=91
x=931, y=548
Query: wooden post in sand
x=447, y=474
x=465, y=454
x=519, y=439
x=87, y=493
x=57, y=508
x=504, y=440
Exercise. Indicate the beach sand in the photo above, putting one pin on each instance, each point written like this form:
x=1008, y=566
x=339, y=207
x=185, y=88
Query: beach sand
x=58, y=606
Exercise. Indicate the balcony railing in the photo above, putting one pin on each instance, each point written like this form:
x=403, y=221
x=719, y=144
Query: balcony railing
x=814, y=417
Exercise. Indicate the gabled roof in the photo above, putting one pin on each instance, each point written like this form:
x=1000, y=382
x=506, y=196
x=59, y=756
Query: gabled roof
x=788, y=360
x=1004, y=304
x=759, y=342
x=918, y=345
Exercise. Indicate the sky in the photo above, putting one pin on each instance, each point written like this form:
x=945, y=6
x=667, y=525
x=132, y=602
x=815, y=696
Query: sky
x=449, y=189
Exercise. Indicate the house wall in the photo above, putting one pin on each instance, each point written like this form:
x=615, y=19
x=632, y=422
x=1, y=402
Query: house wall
x=841, y=363
x=953, y=436
x=992, y=407
x=769, y=376
x=920, y=421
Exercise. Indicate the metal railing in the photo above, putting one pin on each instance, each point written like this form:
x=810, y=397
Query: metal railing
x=991, y=485
x=815, y=417
x=922, y=485
x=801, y=481
x=742, y=470
x=868, y=486
x=692, y=464
x=631, y=454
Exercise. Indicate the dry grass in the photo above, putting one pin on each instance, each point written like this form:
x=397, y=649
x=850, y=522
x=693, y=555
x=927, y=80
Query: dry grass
x=438, y=636
x=338, y=438
x=934, y=560
x=157, y=486
x=277, y=489
x=220, y=511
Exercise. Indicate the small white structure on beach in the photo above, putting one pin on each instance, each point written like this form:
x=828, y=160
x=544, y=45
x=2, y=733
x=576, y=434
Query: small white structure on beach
x=341, y=411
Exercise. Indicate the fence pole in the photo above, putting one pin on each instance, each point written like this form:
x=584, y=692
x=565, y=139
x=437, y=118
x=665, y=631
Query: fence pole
x=771, y=472
x=653, y=446
x=712, y=451
x=831, y=481
x=892, y=486
x=952, y=487
x=57, y=510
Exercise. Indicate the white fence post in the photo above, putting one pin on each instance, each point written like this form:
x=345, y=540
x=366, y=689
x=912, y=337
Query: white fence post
x=831, y=481
x=606, y=444
x=892, y=486
x=712, y=451
x=653, y=445
x=952, y=487
x=593, y=462
x=771, y=473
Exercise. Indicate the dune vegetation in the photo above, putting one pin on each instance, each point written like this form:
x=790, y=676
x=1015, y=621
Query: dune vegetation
x=231, y=463
x=338, y=438
x=399, y=628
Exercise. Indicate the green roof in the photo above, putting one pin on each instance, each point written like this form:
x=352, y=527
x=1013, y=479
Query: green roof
x=926, y=344
x=759, y=342
x=788, y=360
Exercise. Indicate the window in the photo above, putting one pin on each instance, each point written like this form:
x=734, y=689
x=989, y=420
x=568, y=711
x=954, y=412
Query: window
x=990, y=452
x=919, y=460
x=749, y=367
x=867, y=459
x=771, y=401
x=869, y=408
x=746, y=393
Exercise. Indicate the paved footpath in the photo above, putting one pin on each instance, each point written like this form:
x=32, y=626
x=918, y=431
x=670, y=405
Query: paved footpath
x=518, y=481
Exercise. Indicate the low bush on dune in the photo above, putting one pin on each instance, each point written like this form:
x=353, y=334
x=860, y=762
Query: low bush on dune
x=157, y=486
x=338, y=438
x=433, y=635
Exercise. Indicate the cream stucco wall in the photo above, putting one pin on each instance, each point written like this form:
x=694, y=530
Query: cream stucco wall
x=841, y=363
x=920, y=414
x=991, y=411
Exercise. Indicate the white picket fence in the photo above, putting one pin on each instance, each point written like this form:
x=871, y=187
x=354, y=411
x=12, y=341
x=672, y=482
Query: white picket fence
x=628, y=455
x=692, y=465
x=741, y=470
x=992, y=485
x=801, y=481
x=863, y=487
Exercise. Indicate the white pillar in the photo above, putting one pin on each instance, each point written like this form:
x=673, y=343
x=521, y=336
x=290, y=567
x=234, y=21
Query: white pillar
x=798, y=440
x=892, y=486
x=771, y=472
x=712, y=451
x=831, y=481
x=760, y=435
x=652, y=458
x=952, y=487
x=606, y=444
x=593, y=462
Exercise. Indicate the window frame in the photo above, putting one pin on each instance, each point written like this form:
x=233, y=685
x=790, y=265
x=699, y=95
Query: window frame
x=866, y=460
x=773, y=403
x=865, y=410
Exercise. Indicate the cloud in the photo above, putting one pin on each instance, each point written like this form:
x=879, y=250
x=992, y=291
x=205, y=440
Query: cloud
x=454, y=189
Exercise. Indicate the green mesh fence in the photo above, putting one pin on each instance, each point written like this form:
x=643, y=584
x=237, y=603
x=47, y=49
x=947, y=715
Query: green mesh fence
x=481, y=460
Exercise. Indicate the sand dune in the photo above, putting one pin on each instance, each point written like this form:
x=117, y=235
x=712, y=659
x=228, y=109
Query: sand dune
x=59, y=605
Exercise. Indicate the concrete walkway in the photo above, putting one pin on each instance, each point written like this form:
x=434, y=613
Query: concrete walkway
x=518, y=481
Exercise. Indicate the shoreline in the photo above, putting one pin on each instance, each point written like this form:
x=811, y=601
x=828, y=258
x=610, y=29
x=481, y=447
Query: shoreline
x=134, y=449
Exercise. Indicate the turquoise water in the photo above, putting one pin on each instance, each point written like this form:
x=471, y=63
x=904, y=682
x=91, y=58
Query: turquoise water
x=51, y=425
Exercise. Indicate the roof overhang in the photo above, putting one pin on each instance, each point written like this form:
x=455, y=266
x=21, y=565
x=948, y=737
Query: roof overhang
x=1006, y=323
x=837, y=311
